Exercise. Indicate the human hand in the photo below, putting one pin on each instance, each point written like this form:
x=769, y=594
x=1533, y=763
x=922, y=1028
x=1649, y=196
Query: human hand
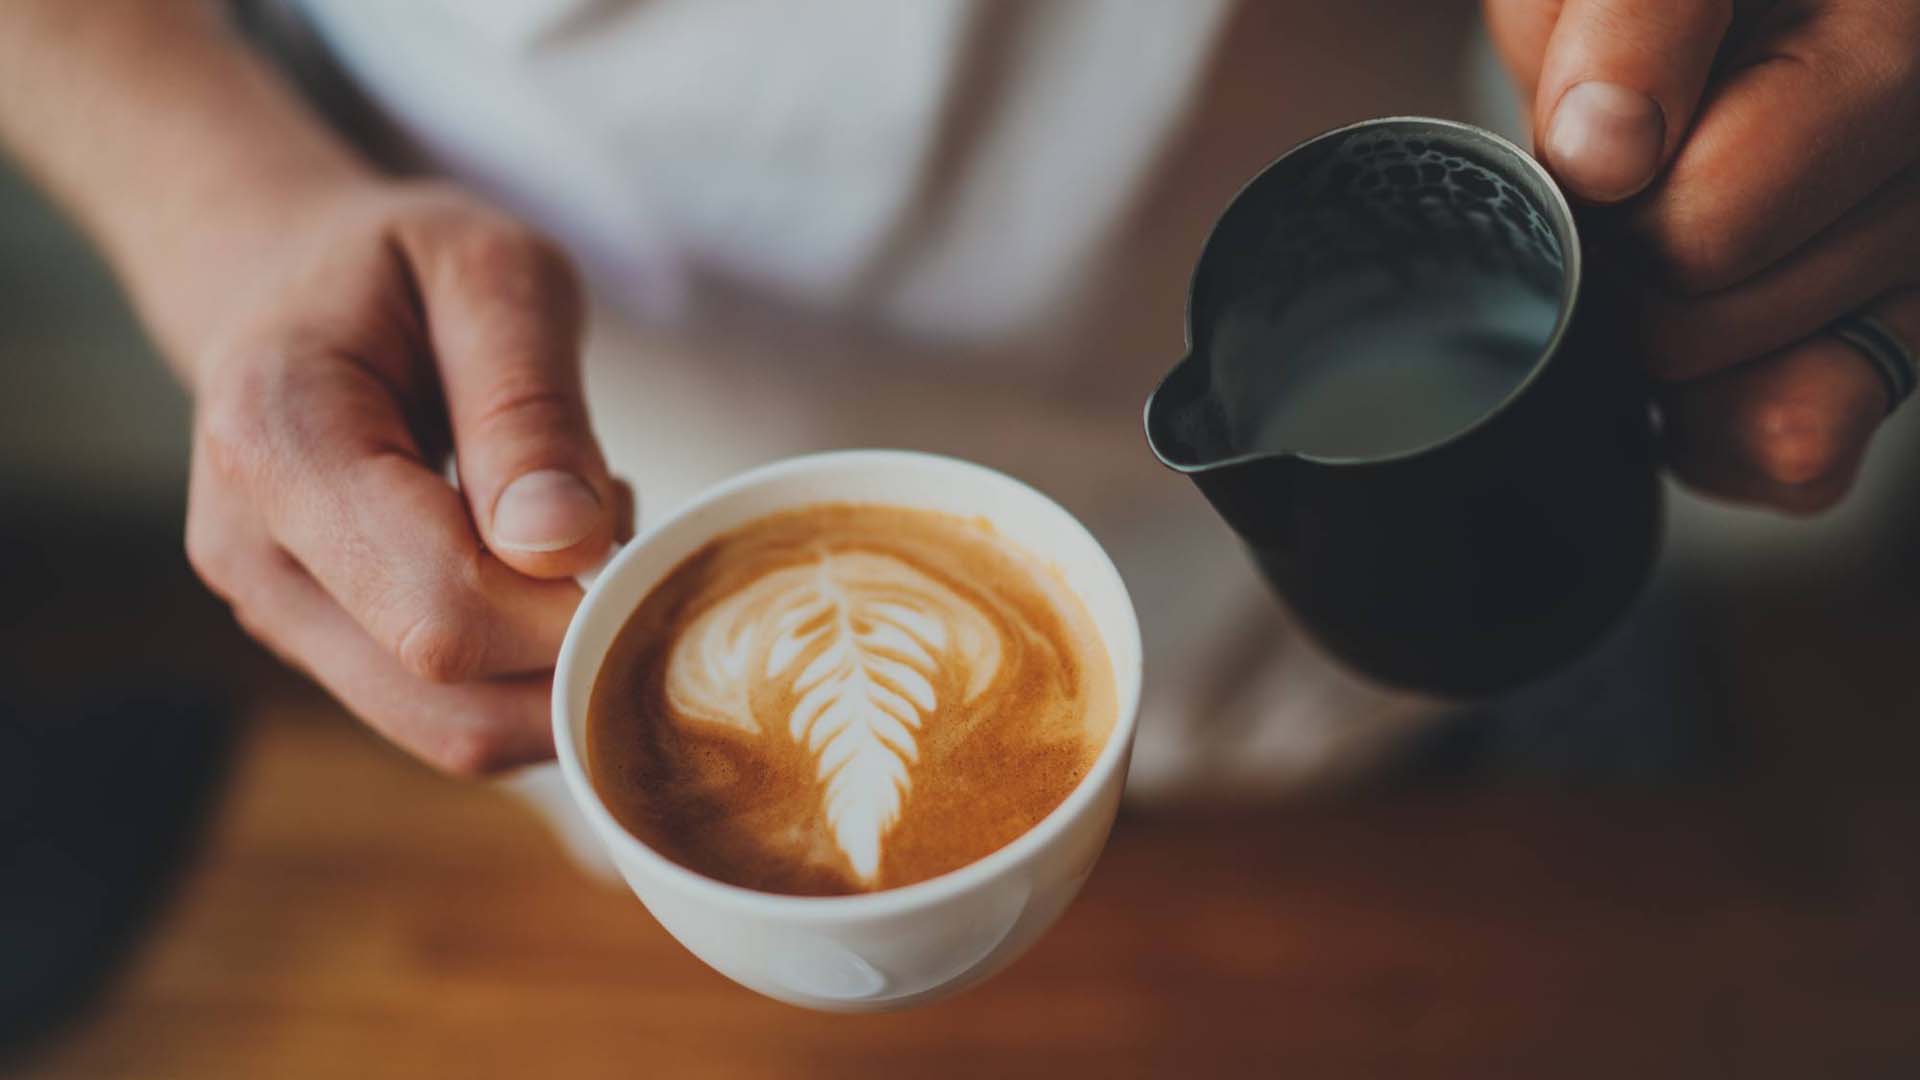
x=398, y=322
x=1762, y=157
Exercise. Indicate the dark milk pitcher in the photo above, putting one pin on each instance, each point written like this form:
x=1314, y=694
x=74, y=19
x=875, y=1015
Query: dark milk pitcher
x=1400, y=395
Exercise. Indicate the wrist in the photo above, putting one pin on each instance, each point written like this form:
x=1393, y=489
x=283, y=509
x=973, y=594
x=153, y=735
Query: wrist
x=203, y=262
x=180, y=151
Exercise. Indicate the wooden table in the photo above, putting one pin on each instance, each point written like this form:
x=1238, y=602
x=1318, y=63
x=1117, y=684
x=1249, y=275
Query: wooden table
x=353, y=915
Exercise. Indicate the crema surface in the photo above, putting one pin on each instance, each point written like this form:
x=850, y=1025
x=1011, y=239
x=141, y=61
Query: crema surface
x=845, y=698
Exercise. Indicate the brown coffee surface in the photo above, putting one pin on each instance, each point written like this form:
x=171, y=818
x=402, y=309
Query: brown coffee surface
x=848, y=697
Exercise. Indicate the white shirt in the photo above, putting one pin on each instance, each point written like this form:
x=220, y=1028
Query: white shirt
x=944, y=166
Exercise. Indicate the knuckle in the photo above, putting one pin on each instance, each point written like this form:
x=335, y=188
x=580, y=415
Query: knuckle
x=526, y=401
x=232, y=433
x=1795, y=444
x=496, y=245
x=440, y=633
x=236, y=412
x=439, y=645
x=503, y=256
x=514, y=269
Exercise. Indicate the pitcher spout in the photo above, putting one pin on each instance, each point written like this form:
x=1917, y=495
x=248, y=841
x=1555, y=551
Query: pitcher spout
x=1186, y=425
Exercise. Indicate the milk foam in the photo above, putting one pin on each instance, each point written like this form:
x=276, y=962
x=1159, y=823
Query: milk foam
x=844, y=697
x=847, y=656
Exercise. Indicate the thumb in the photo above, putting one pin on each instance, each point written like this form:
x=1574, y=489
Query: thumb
x=1618, y=89
x=503, y=314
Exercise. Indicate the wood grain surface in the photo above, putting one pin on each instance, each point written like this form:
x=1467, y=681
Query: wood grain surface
x=351, y=914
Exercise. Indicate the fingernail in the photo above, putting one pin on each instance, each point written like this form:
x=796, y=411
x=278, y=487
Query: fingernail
x=1604, y=141
x=548, y=510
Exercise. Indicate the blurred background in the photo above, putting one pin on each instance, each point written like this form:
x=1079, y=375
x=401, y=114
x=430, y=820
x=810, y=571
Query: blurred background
x=207, y=869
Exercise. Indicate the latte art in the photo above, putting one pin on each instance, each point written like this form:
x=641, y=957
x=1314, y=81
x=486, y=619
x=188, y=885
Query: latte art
x=846, y=698
x=856, y=649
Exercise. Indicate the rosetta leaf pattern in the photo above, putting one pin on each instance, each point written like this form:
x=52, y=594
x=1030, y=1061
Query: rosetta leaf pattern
x=861, y=645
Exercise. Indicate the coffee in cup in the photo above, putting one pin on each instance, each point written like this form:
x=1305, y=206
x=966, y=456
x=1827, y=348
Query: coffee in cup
x=841, y=698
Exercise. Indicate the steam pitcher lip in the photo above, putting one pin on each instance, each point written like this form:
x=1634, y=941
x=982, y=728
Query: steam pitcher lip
x=1543, y=186
x=1192, y=468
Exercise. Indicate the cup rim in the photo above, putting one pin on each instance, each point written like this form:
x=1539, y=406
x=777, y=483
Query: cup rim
x=886, y=902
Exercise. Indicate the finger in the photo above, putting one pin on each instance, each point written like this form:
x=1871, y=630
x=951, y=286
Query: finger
x=318, y=444
x=1813, y=118
x=1618, y=88
x=467, y=729
x=1789, y=430
x=1520, y=30
x=470, y=729
x=626, y=511
x=1862, y=257
x=503, y=313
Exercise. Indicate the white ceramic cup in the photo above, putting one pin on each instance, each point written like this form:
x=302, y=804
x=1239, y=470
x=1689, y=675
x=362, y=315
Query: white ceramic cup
x=896, y=947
